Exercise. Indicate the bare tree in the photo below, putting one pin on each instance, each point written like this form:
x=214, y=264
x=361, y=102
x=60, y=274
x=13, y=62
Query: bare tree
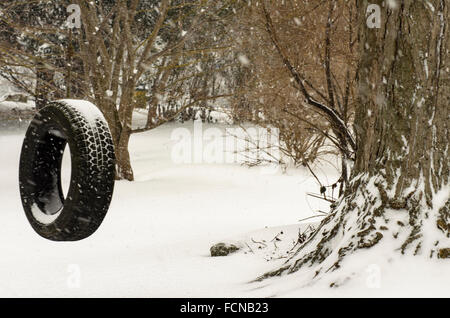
x=119, y=45
x=402, y=143
x=299, y=75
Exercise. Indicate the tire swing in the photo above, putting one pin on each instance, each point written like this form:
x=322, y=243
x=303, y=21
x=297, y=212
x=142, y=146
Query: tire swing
x=81, y=126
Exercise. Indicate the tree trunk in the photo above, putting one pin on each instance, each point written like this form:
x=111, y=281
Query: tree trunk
x=156, y=91
x=124, y=169
x=73, y=65
x=122, y=136
x=44, y=80
x=402, y=133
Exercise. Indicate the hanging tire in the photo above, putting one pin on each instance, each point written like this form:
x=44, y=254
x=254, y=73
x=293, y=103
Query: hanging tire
x=82, y=126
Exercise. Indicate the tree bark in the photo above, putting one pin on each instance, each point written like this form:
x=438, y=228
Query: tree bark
x=124, y=169
x=123, y=161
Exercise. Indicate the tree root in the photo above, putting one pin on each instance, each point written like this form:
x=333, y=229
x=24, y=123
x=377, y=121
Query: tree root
x=352, y=227
x=444, y=253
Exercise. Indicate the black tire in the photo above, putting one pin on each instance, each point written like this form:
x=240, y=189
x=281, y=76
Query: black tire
x=93, y=171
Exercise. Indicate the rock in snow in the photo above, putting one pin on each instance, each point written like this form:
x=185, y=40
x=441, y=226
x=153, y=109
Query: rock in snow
x=223, y=249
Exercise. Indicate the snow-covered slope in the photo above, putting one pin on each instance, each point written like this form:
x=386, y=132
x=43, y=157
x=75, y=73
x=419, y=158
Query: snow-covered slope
x=156, y=237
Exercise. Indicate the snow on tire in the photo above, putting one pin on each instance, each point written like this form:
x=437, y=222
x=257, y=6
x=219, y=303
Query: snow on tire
x=81, y=125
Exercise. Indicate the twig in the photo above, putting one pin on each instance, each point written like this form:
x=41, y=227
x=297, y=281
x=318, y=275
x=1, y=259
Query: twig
x=259, y=242
x=320, y=197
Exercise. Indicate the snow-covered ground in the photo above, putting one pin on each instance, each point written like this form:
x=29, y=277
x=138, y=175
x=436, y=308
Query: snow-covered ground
x=156, y=237
x=14, y=116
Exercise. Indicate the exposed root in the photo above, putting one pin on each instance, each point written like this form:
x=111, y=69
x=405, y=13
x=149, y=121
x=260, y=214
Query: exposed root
x=443, y=222
x=444, y=253
x=352, y=226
